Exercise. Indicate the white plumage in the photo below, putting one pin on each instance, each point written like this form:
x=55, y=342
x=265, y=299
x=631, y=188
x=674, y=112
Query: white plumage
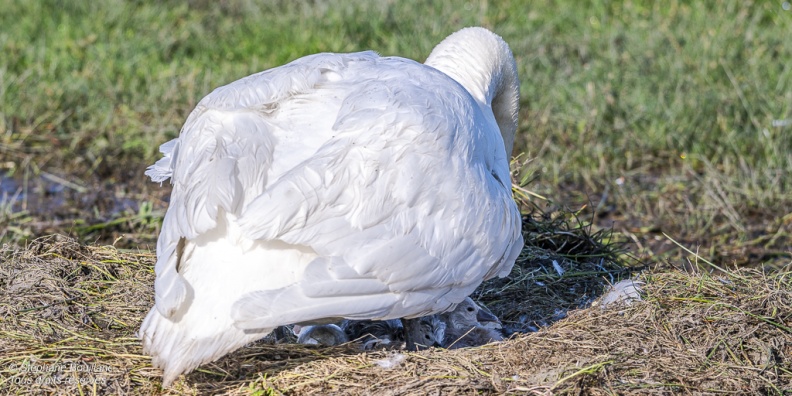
x=336, y=186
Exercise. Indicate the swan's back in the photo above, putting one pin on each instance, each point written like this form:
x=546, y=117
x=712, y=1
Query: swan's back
x=337, y=186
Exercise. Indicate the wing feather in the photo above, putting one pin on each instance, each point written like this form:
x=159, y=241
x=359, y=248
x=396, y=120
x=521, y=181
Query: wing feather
x=374, y=197
x=223, y=157
x=385, y=183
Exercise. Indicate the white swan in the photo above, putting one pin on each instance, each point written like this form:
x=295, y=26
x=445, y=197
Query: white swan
x=336, y=186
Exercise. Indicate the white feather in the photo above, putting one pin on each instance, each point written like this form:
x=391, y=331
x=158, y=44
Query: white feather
x=337, y=186
x=390, y=361
x=626, y=291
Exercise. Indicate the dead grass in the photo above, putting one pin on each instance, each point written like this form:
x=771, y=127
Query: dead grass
x=650, y=113
x=564, y=265
x=66, y=304
x=67, y=308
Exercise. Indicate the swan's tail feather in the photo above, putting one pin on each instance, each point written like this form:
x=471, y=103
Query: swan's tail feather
x=162, y=170
x=176, y=349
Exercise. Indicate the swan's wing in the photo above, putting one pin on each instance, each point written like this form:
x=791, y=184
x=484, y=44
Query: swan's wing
x=223, y=157
x=407, y=199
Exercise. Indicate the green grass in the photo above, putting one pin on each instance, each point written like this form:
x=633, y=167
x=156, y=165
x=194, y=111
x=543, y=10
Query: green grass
x=660, y=115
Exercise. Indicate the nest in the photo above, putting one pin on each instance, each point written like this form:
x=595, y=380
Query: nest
x=564, y=265
x=70, y=313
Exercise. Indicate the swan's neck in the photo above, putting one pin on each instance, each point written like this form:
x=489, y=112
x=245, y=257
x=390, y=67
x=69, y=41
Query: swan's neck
x=482, y=62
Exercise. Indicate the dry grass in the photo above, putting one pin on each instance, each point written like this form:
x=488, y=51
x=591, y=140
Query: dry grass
x=669, y=118
x=63, y=304
x=666, y=119
x=564, y=265
x=66, y=307
x=693, y=334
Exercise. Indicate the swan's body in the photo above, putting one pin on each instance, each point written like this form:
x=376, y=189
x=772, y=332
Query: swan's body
x=468, y=314
x=374, y=334
x=473, y=336
x=336, y=186
x=468, y=324
x=325, y=335
x=424, y=332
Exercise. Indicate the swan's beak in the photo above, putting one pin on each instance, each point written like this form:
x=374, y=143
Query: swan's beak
x=486, y=316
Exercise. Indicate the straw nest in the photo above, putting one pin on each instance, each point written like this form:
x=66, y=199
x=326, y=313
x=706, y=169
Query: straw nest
x=69, y=315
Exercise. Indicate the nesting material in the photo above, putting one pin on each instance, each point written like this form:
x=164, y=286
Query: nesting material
x=565, y=265
x=69, y=314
